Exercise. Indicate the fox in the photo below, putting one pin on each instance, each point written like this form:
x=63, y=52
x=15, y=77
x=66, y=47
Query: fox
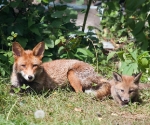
x=125, y=89
x=29, y=69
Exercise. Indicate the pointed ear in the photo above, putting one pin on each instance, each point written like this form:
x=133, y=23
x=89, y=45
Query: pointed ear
x=38, y=50
x=117, y=77
x=137, y=78
x=17, y=49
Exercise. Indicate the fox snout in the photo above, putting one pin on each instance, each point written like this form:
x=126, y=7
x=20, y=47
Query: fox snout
x=28, y=77
x=125, y=100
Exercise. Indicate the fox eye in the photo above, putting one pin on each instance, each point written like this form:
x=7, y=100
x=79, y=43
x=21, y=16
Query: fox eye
x=35, y=65
x=130, y=91
x=121, y=90
x=23, y=65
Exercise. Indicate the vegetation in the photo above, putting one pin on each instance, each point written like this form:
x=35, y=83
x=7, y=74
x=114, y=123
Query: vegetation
x=65, y=107
x=126, y=25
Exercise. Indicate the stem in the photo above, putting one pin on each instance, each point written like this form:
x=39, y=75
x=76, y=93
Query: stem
x=86, y=15
x=95, y=53
x=11, y=110
x=54, y=5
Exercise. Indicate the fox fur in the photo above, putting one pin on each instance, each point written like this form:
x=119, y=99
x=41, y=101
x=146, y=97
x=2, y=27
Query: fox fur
x=29, y=69
x=125, y=88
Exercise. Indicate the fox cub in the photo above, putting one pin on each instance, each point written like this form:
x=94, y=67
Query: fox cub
x=125, y=88
x=28, y=69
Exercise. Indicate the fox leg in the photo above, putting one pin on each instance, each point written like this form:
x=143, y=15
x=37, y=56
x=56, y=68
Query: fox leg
x=74, y=81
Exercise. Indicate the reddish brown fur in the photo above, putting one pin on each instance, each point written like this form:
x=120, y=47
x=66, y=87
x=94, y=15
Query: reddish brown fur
x=74, y=81
x=29, y=69
x=125, y=88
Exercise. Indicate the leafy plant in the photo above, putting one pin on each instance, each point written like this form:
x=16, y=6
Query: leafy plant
x=29, y=23
x=132, y=60
x=127, y=23
x=129, y=19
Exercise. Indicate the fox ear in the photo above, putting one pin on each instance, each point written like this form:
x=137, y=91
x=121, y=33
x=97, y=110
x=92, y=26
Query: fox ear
x=137, y=78
x=117, y=77
x=38, y=50
x=17, y=49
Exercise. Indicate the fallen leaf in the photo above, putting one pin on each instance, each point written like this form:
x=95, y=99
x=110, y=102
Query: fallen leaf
x=99, y=119
x=114, y=114
x=78, y=109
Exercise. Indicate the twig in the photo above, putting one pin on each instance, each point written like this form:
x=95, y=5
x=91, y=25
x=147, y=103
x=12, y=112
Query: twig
x=5, y=6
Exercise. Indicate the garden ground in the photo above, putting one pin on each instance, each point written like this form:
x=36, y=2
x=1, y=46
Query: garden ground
x=65, y=107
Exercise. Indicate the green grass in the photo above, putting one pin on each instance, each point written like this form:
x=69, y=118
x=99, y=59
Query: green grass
x=69, y=108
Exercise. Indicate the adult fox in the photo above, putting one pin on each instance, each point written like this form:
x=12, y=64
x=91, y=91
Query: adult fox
x=28, y=69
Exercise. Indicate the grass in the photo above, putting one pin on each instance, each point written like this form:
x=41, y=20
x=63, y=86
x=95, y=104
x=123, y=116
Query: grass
x=64, y=107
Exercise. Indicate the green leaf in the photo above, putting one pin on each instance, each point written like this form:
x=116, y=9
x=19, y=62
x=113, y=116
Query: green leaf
x=80, y=33
x=14, y=3
x=57, y=14
x=35, y=30
x=47, y=54
x=56, y=23
x=134, y=54
x=57, y=41
x=134, y=4
x=12, y=33
x=30, y=22
x=144, y=61
x=47, y=59
x=121, y=55
x=138, y=27
x=42, y=19
x=23, y=41
x=110, y=55
x=142, y=38
x=85, y=52
x=3, y=57
x=60, y=49
x=45, y=1
x=24, y=87
x=49, y=43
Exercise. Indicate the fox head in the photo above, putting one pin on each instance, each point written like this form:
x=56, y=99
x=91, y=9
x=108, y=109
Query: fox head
x=28, y=62
x=126, y=87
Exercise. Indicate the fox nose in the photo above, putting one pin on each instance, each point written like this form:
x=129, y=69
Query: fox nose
x=126, y=100
x=30, y=77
